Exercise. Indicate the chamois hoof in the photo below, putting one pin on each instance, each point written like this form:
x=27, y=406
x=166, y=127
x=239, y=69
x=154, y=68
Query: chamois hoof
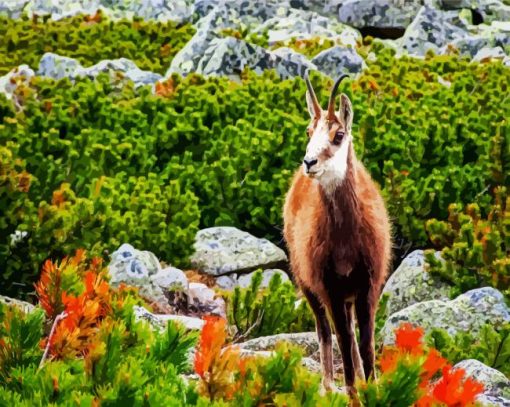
x=329, y=386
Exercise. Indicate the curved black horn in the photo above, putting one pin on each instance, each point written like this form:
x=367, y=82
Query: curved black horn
x=315, y=103
x=331, y=104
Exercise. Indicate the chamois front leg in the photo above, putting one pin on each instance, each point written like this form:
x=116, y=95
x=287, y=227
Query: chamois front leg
x=341, y=312
x=325, y=339
x=365, y=312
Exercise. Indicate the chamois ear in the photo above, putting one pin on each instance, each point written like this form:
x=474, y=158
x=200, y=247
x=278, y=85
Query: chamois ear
x=345, y=113
x=310, y=106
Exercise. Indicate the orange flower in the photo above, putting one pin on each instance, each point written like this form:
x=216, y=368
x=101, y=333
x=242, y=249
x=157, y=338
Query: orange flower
x=212, y=339
x=409, y=338
x=426, y=401
x=432, y=365
x=453, y=390
x=389, y=359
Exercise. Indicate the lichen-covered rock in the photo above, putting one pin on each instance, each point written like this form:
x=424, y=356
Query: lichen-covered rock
x=24, y=306
x=58, y=67
x=466, y=313
x=496, y=384
x=161, y=10
x=12, y=8
x=245, y=279
x=160, y=322
x=301, y=24
x=488, y=10
x=410, y=283
x=223, y=250
x=129, y=264
x=135, y=268
x=432, y=29
x=170, y=279
x=16, y=77
x=379, y=14
x=338, y=60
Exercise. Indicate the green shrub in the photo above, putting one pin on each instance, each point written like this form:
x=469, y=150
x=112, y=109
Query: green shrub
x=255, y=312
x=476, y=250
x=151, y=45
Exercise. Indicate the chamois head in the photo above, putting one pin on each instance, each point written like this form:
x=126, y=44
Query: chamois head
x=327, y=152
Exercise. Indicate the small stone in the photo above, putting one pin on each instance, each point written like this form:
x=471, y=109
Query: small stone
x=170, y=279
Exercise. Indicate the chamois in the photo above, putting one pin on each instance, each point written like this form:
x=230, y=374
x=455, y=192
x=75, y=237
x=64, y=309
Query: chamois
x=338, y=235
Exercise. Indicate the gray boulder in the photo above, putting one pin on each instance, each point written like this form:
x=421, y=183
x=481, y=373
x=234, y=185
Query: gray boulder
x=58, y=67
x=379, y=14
x=489, y=10
x=466, y=313
x=160, y=322
x=338, y=60
x=135, y=268
x=161, y=10
x=128, y=264
x=301, y=24
x=12, y=8
x=496, y=384
x=224, y=250
x=410, y=283
x=229, y=56
x=432, y=29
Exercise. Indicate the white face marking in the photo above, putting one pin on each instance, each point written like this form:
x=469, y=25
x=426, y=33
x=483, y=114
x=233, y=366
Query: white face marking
x=330, y=172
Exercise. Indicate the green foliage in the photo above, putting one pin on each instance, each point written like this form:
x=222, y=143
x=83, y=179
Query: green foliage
x=255, y=312
x=90, y=39
x=19, y=339
x=235, y=147
x=281, y=380
x=398, y=389
x=491, y=346
x=476, y=250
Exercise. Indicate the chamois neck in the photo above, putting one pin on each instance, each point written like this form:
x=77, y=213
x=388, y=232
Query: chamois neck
x=341, y=202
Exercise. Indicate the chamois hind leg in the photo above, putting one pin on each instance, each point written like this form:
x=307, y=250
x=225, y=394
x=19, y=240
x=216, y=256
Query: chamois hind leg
x=342, y=317
x=365, y=312
x=325, y=339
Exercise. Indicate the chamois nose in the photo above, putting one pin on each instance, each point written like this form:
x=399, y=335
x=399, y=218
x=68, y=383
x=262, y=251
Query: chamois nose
x=309, y=163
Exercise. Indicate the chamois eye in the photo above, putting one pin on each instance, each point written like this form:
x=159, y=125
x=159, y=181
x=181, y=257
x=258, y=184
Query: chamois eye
x=339, y=135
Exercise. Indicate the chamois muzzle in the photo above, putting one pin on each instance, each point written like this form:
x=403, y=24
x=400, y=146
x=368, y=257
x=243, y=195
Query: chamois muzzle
x=309, y=163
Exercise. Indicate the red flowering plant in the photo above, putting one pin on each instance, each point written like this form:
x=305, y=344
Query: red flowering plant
x=414, y=374
x=76, y=297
